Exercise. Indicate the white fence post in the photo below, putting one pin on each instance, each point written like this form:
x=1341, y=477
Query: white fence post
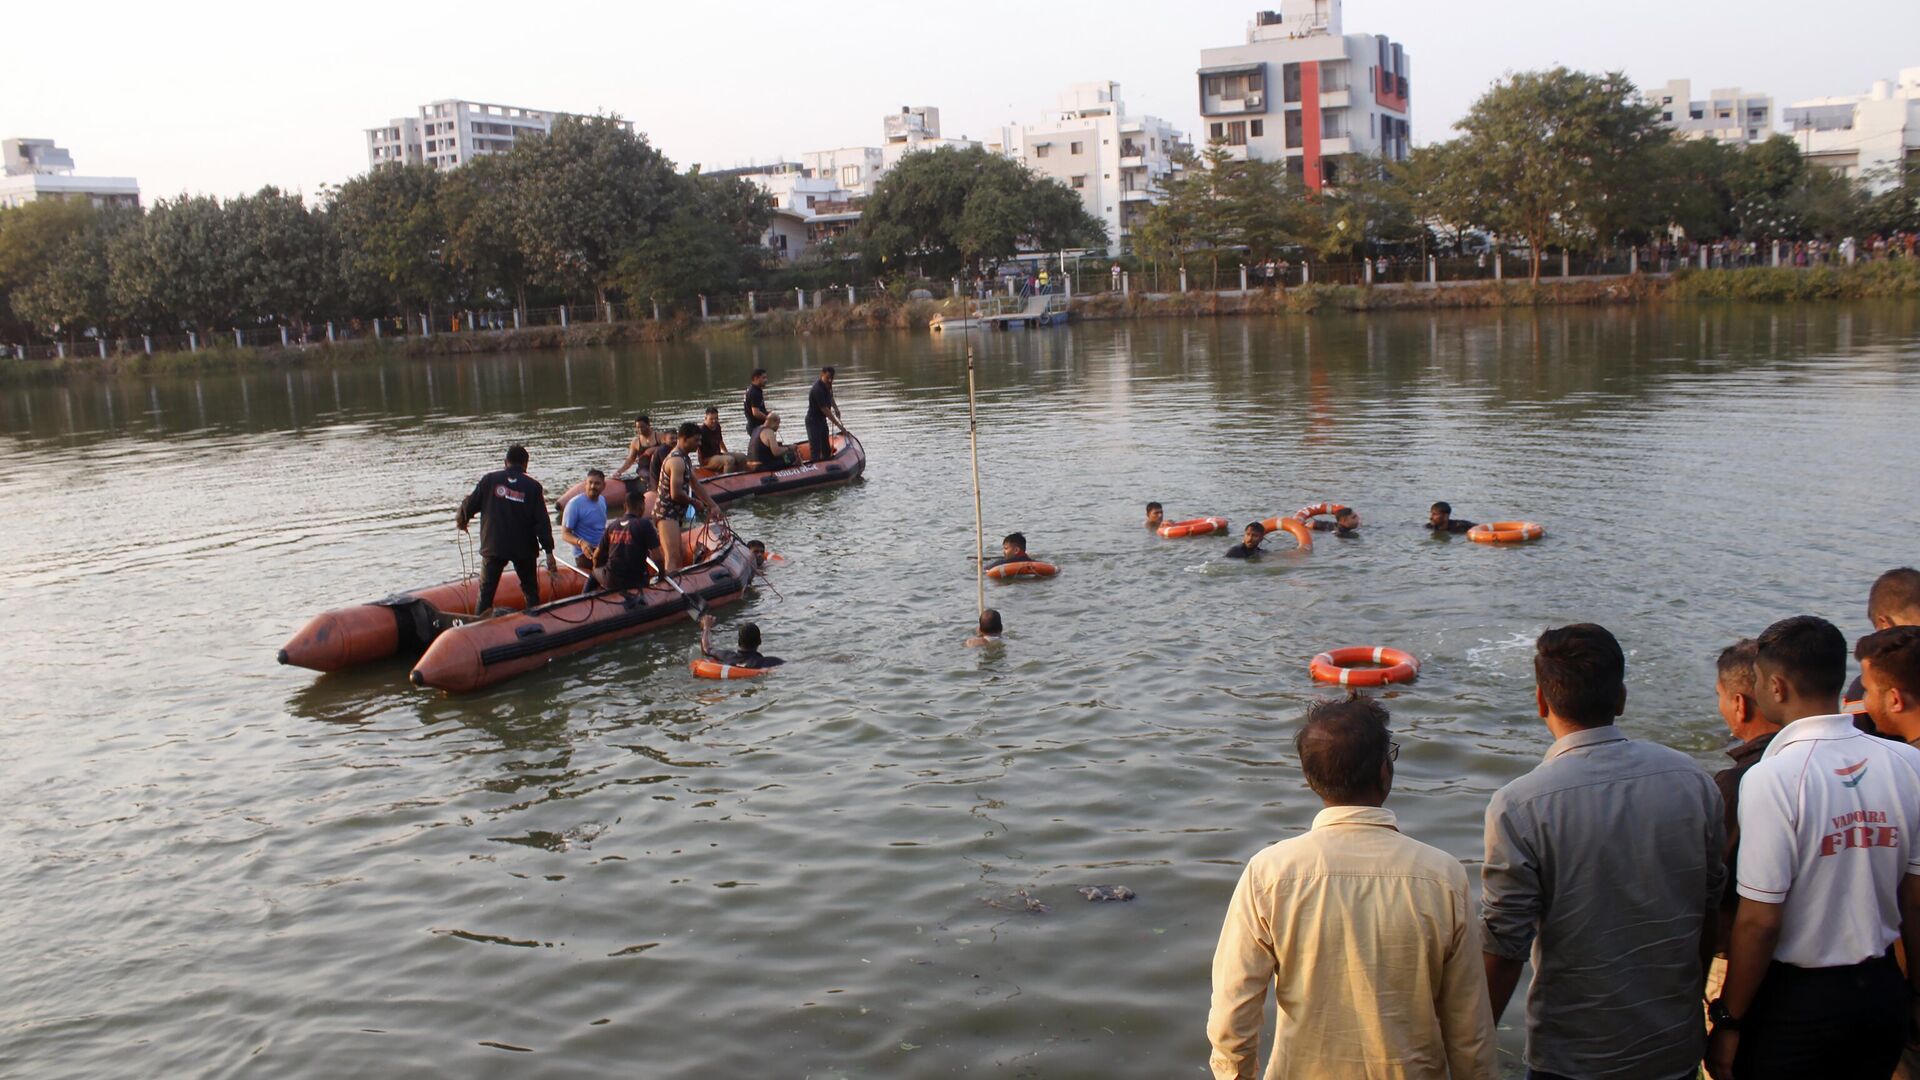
x=1183, y=279
x=1633, y=260
x=103, y=348
x=1703, y=256
x=283, y=337
x=193, y=342
x=703, y=309
x=236, y=337
x=1125, y=283
x=800, y=302
x=146, y=342
x=1776, y=253
x=1564, y=272
x=426, y=326
x=656, y=310
x=60, y=349
x=750, y=308
x=1243, y=277
x=1306, y=272
x=1433, y=270
x=1366, y=270
x=850, y=297
x=376, y=329
x=1010, y=289
x=330, y=338
x=1497, y=266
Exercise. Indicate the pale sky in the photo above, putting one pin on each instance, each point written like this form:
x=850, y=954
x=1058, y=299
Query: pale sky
x=225, y=97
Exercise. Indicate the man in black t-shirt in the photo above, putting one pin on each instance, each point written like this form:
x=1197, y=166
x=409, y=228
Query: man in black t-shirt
x=746, y=656
x=620, y=563
x=754, y=405
x=1345, y=523
x=513, y=523
x=1249, y=545
x=1440, y=519
x=820, y=409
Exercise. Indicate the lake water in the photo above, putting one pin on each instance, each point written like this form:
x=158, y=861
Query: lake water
x=216, y=865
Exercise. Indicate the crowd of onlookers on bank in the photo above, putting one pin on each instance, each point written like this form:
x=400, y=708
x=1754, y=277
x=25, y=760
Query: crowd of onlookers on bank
x=1762, y=919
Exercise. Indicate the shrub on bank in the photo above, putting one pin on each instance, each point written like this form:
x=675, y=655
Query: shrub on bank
x=1765, y=284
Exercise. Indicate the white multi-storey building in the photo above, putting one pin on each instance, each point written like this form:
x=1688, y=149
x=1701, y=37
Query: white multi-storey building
x=855, y=169
x=448, y=132
x=1300, y=90
x=913, y=128
x=1867, y=136
x=33, y=169
x=1116, y=163
x=1729, y=114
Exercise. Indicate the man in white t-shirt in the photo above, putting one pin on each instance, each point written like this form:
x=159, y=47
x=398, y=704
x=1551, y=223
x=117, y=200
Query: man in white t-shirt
x=1829, y=878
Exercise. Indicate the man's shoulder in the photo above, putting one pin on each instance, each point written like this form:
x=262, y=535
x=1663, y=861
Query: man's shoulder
x=1637, y=762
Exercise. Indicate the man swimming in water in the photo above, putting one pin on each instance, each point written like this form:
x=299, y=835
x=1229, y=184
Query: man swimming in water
x=746, y=656
x=1013, y=549
x=1156, y=516
x=1249, y=545
x=1440, y=519
x=1345, y=523
x=990, y=629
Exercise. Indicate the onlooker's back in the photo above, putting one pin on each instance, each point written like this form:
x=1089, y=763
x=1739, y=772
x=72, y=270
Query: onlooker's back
x=1366, y=935
x=1604, y=862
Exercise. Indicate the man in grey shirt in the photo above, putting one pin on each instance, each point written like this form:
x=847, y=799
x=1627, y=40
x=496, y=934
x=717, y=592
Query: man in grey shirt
x=1605, y=860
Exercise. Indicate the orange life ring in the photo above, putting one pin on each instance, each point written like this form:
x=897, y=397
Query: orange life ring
x=1028, y=568
x=714, y=669
x=1296, y=529
x=1505, y=532
x=1200, y=526
x=1315, y=510
x=1336, y=666
x=1854, y=708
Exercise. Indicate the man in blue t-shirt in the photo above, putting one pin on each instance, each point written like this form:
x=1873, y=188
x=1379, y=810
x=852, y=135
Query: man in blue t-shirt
x=585, y=519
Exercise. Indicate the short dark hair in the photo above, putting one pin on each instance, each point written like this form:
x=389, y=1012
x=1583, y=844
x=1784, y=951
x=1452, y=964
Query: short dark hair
x=826, y=369
x=750, y=637
x=1155, y=506
x=642, y=419
x=1895, y=654
x=597, y=473
x=689, y=430
x=1256, y=528
x=1445, y=508
x=990, y=621
x=757, y=372
x=756, y=545
x=517, y=455
x=1735, y=666
x=1894, y=591
x=1018, y=540
x=1342, y=744
x=1808, y=651
x=1582, y=673
x=636, y=496
x=713, y=410
x=1344, y=512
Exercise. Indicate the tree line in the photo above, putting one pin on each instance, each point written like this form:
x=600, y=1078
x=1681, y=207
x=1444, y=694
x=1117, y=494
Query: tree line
x=589, y=209
x=1548, y=159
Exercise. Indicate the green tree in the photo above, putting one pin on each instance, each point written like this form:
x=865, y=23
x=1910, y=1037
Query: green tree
x=280, y=254
x=180, y=265
x=68, y=296
x=709, y=243
x=586, y=195
x=390, y=240
x=951, y=209
x=1550, y=155
x=32, y=240
x=483, y=244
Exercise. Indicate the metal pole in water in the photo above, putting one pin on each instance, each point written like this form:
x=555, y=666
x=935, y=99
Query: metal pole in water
x=979, y=527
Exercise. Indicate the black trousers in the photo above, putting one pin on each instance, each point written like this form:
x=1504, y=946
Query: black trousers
x=817, y=438
x=525, y=567
x=1833, y=1023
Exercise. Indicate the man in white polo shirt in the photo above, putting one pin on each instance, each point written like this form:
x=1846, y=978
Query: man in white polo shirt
x=1828, y=860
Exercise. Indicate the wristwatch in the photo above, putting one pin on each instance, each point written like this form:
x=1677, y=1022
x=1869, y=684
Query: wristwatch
x=1721, y=1016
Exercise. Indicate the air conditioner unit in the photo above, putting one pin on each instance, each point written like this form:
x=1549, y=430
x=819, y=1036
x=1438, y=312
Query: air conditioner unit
x=1254, y=100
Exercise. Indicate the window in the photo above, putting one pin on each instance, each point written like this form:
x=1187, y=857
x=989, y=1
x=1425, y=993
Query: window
x=1256, y=128
x=1293, y=129
x=1667, y=116
x=810, y=201
x=1697, y=114
x=1042, y=149
x=1079, y=183
x=1237, y=133
x=1666, y=100
x=1290, y=82
x=1076, y=148
x=1333, y=124
x=849, y=175
x=1372, y=122
x=1217, y=131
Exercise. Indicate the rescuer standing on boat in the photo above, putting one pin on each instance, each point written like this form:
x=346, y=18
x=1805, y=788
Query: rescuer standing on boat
x=514, y=523
x=821, y=408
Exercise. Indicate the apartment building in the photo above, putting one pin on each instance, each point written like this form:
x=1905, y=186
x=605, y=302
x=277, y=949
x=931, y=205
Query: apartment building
x=1867, y=136
x=445, y=133
x=1116, y=163
x=1341, y=98
x=1728, y=114
x=32, y=169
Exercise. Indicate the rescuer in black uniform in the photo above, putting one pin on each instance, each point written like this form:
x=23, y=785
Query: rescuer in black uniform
x=514, y=523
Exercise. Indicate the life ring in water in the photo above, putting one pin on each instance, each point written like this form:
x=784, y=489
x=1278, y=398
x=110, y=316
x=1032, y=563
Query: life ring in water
x=1302, y=535
x=1314, y=510
x=1505, y=532
x=1200, y=526
x=713, y=669
x=1025, y=568
x=1337, y=666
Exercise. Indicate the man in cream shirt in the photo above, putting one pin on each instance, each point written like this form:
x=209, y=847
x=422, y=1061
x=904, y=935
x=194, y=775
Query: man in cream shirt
x=1367, y=936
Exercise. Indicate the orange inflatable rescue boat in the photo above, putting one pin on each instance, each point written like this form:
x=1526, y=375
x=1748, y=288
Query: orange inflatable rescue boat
x=479, y=654
x=848, y=462
x=406, y=622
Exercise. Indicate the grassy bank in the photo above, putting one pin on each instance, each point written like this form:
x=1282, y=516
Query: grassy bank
x=1865, y=281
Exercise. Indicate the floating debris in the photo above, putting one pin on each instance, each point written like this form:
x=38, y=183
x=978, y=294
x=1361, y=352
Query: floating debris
x=1103, y=893
x=1018, y=901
